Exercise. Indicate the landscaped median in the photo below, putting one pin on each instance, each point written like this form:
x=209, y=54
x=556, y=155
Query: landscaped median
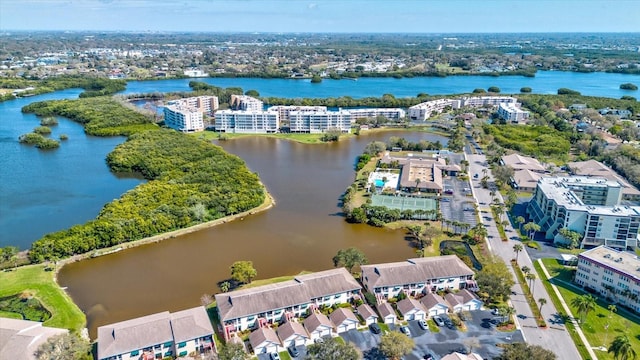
x=601, y=325
x=527, y=293
x=38, y=282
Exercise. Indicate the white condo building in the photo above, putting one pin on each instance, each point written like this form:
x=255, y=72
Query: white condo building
x=247, y=103
x=284, y=110
x=611, y=273
x=319, y=121
x=424, y=110
x=247, y=122
x=512, y=113
x=478, y=101
x=589, y=206
x=394, y=114
x=182, y=118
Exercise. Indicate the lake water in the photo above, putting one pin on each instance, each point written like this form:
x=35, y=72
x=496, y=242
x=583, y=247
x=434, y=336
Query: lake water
x=545, y=82
x=44, y=191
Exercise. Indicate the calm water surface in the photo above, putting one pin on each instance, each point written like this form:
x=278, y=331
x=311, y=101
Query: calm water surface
x=303, y=232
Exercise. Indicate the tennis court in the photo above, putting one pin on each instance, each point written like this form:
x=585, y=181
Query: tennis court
x=404, y=203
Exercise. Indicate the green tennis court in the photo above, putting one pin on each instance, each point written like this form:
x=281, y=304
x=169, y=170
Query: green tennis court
x=404, y=203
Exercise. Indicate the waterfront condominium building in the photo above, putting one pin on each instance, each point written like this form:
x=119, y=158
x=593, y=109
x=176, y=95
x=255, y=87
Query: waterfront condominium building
x=319, y=121
x=424, y=110
x=389, y=113
x=479, y=101
x=183, y=118
x=247, y=103
x=611, y=273
x=589, y=206
x=512, y=113
x=247, y=122
x=205, y=104
x=284, y=110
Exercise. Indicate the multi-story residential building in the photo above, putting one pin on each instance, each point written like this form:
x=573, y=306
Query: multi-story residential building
x=284, y=110
x=479, y=101
x=389, y=113
x=512, y=113
x=417, y=276
x=274, y=303
x=246, y=103
x=424, y=110
x=184, y=119
x=611, y=273
x=319, y=121
x=589, y=206
x=157, y=336
x=186, y=114
x=593, y=168
x=205, y=104
x=247, y=122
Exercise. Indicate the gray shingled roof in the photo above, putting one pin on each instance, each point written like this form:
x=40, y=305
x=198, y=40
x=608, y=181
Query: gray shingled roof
x=366, y=311
x=408, y=304
x=261, y=335
x=340, y=315
x=315, y=320
x=461, y=297
x=386, y=309
x=19, y=339
x=134, y=334
x=290, y=328
x=413, y=271
x=190, y=324
x=430, y=300
x=300, y=290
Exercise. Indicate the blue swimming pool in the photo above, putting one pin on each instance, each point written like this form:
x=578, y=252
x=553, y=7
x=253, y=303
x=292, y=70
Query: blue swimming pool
x=379, y=183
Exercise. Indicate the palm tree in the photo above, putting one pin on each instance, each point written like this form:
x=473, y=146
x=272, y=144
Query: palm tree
x=526, y=270
x=517, y=248
x=584, y=304
x=621, y=348
x=508, y=312
x=531, y=277
x=542, y=301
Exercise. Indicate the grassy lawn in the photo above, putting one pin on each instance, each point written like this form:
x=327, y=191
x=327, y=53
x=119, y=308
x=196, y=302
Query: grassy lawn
x=302, y=138
x=34, y=279
x=432, y=326
x=620, y=322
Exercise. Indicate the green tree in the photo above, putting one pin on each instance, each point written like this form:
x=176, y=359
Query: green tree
x=243, y=271
x=8, y=253
x=63, y=347
x=349, y=258
x=332, y=349
x=520, y=220
x=526, y=270
x=525, y=89
x=253, y=93
x=531, y=228
x=495, y=280
x=622, y=349
x=493, y=89
x=315, y=79
x=232, y=351
x=584, y=305
x=531, y=277
x=521, y=351
x=517, y=248
x=395, y=345
x=542, y=302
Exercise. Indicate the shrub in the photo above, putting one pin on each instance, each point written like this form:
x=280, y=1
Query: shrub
x=39, y=141
x=565, y=91
x=479, y=91
x=42, y=130
x=525, y=89
x=628, y=86
x=493, y=89
x=370, y=298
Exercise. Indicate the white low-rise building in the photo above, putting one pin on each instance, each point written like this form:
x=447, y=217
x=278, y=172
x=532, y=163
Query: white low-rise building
x=417, y=276
x=184, y=119
x=284, y=110
x=393, y=114
x=247, y=122
x=274, y=303
x=424, y=110
x=589, y=206
x=611, y=273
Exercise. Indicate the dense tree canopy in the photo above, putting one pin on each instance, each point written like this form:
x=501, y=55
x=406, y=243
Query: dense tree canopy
x=243, y=271
x=523, y=351
x=495, y=280
x=331, y=349
x=350, y=258
x=394, y=345
x=190, y=180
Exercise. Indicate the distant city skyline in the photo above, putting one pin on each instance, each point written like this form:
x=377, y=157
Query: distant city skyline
x=331, y=16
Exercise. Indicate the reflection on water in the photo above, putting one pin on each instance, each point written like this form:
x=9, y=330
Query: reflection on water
x=302, y=232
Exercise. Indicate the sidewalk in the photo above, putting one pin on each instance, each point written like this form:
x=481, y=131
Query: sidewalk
x=568, y=311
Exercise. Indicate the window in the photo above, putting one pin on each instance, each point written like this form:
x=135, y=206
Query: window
x=181, y=345
x=135, y=353
x=168, y=344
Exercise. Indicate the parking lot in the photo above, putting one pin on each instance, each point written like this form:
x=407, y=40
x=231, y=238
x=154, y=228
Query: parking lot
x=480, y=332
x=458, y=206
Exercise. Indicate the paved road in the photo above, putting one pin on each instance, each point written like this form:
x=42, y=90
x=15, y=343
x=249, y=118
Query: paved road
x=555, y=337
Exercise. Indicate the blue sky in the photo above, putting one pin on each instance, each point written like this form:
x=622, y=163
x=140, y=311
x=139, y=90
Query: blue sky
x=415, y=16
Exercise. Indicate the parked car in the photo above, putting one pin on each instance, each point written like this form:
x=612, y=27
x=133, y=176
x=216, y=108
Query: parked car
x=375, y=328
x=405, y=330
x=293, y=351
x=423, y=324
x=449, y=324
x=318, y=340
x=438, y=320
x=495, y=311
x=275, y=356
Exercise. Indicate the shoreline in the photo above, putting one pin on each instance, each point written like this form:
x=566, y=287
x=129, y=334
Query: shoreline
x=267, y=204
